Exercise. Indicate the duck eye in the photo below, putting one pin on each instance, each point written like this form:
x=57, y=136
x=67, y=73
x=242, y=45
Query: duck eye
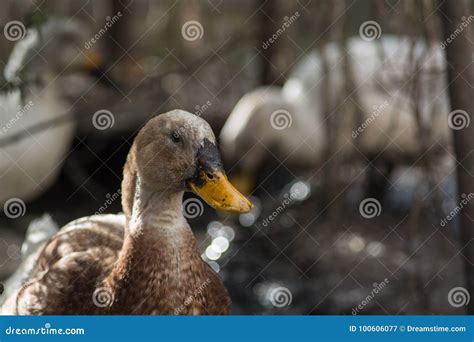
x=175, y=137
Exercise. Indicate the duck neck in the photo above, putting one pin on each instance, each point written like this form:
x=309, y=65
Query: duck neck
x=157, y=215
x=158, y=253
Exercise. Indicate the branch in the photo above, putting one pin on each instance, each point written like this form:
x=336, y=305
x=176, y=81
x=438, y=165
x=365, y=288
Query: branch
x=36, y=128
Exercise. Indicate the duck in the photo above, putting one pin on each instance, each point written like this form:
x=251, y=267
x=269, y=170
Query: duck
x=39, y=231
x=49, y=72
x=143, y=261
x=290, y=122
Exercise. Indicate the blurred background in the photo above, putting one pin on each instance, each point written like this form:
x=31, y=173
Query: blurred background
x=351, y=136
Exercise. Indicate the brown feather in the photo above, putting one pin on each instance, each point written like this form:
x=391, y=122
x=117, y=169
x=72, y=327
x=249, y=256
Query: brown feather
x=144, y=262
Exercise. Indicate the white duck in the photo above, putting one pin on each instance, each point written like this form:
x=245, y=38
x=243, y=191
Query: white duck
x=291, y=122
x=53, y=73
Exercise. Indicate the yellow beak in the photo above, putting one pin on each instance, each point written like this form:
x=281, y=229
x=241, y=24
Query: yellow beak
x=92, y=61
x=219, y=193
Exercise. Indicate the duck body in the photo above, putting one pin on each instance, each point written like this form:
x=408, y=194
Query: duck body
x=51, y=84
x=383, y=83
x=315, y=90
x=74, y=276
x=30, y=165
x=145, y=261
x=249, y=129
x=161, y=258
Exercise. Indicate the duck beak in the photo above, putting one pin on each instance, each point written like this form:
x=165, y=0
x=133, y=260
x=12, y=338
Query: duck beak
x=92, y=61
x=212, y=185
x=94, y=65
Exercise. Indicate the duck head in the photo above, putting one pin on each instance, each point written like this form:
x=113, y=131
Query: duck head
x=55, y=55
x=177, y=151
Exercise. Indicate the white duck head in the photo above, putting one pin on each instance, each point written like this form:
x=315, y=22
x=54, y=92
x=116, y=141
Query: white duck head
x=54, y=56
